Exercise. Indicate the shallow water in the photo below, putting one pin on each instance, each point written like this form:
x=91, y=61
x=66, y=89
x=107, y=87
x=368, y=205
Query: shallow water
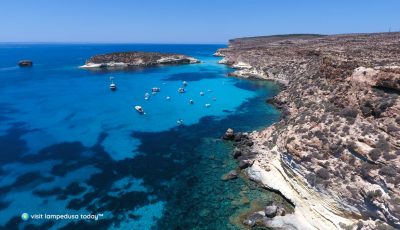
x=70, y=145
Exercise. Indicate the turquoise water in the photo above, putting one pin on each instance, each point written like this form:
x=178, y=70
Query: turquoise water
x=71, y=146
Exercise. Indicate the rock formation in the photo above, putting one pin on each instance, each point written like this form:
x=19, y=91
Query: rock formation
x=25, y=63
x=137, y=59
x=231, y=175
x=335, y=152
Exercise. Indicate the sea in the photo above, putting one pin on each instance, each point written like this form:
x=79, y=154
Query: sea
x=76, y=155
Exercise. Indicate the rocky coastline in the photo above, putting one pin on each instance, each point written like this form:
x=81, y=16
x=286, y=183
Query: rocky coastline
x=136, y=60
x=335, y=153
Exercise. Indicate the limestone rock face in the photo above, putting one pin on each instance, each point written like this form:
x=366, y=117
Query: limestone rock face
x=335, y=154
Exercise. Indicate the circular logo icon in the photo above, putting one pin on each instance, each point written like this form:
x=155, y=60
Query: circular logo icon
x=25, y=216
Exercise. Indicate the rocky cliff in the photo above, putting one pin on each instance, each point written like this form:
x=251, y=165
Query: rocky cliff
x=137, y=59
x=335, y=152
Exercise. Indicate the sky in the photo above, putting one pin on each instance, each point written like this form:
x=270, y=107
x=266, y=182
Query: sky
x=179, y=21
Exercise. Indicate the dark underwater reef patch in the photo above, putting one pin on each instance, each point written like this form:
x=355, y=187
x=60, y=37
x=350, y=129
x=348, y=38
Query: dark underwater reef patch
x=155, y=169
x=6, y=112
x=74, y=156
x=172, y=167
x=12, y=146
x=247, y=86
x=72, y=189
x=198, y=193
x=254, y=85
x=4, y=205
x=193, y=76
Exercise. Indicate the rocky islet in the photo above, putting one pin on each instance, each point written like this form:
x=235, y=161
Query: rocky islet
x=136, y=59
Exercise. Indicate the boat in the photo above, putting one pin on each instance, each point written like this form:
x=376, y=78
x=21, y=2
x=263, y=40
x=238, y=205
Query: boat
x=168, y=98
x=184, y=83
x=113, y=86
x=207, y=105
x=146, y=96
x=93, y=66
x=179, y=122
x=181, y=90
x=201, y=93
x=139, y=109
x=155, y=89
x=191, y=101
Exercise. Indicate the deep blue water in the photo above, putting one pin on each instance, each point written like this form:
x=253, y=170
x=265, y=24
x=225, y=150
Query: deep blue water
x=71, y=146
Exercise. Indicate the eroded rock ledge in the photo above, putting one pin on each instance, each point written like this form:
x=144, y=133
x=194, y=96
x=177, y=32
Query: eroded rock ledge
x=335, y=152
x=137, y=59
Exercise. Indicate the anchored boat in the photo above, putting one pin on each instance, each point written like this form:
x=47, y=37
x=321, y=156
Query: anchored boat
x=139, y=109
x=113, y=86
x=155, y=90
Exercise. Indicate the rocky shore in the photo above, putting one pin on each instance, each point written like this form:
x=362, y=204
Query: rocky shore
x=137, y=59
x=335, y=153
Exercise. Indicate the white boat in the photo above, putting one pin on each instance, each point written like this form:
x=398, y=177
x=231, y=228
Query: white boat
x=181, y=90
x=191, y=101
x=184, y=83
x=201, y=93
x=146, y=96
x=113, y=86
x=139, y=109
x=168, y=98
x=207, y=105
x=93, y=66
x=155, y=89
x=179, y=122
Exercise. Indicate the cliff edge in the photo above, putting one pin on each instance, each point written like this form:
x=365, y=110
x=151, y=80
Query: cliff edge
x=335, y=152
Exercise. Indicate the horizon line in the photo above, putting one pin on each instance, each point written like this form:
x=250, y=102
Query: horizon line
x=113, y=42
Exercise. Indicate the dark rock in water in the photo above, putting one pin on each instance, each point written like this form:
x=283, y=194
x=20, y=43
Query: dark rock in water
x=270, y=211
x=253, y=218
x=25, y=63
x=281, y=211
x=245, y=164
x=238, y=137
x=230, y=175
x=237, y=153
x=229, y=134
